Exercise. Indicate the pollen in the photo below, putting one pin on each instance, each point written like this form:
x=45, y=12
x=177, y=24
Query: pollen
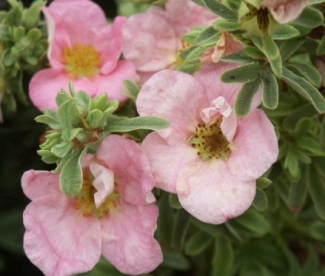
x=82, y=60
x=210, y=142
x=86, y=204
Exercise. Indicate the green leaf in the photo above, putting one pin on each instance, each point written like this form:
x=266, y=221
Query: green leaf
x=206, y=34
x=316, y=186
x=260, y=201
x=34, y=34
x=82, y=99
x=176, y=260
x=298, y=194
x=223, y=256
x=245, y=97
x=48, y=120
x=245, y=73
x=180, y=228
x=305, y=89
x=165, y=220
x=94, y=118
x=263, y=182
x=285, y=32
x=308, y=71
x=62, y=149
x=311, y=145
x=254, y=221
x=310, y=18
x=270, y=89
x=62, y=97
x=143, y=122
x=321, y=47
x=174, y=201
x=292, y=164
x=270, y=48
x=317, y=230
x=197, y=243
x=289, y=47
x=224, y=24
x=254, y=52
x=132, y=89
x=219, y=9
x=240, y=57
x=71, y=177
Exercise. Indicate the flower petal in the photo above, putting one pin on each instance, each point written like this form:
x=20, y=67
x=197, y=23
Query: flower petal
x=40, y=183
x=166, y=161
x=131, y=168
x=149, y=41
x=128, y=241
x=103, y=182
x=177, y=97
x=58, y=239
x=254, y=148
x=46, y=84
x=210, y=193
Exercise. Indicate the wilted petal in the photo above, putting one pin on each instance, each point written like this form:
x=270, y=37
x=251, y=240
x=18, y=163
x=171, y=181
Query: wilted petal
x=128, y=241
x=211, y=194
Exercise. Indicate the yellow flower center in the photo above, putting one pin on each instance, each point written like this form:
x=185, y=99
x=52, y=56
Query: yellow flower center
x=82, y=60
x=210, y=142
x=86, y=203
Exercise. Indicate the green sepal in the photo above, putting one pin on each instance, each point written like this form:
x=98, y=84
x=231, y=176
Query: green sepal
x=285, y=32
x=219, y=9
x=316, y=187
x=132, y=89
x=245, y=98
x=71, y=177
x=142, y=122
x=298, y=194
x=260, y=201
x=254, y=222
x=223, y=256
x=305, y=89
x=246, y=73
x=197, y=243
x=308, y=71
x=263, y=182
x=270, y=89
x=310, y=18
x=174, y=201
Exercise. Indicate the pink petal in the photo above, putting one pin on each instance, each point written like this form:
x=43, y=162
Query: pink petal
x=128, y=241
x=40, y=183
x=285, y=11
x=211, y=194
x=166, y=161
x=131, y=168
x=184, y=14
x=108, y=42
x=177, y=97
x=103, y=182
x=229, y=126
x=46, y=84
x=58, y=239
x=149, y=41
x=254, y=148
x=112, y=84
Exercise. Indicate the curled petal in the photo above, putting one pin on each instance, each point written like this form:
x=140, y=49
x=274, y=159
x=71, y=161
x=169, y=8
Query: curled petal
x=211, y=194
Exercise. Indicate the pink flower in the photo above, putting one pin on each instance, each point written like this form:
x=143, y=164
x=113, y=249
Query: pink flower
x=208, y=156
x=113, y=215
x=84, y=49
x=285, y=11
x=153, y=40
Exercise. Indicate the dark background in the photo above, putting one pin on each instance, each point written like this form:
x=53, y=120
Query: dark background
x=19, y=141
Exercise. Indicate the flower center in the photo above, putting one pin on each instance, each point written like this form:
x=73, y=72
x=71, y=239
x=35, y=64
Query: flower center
x=86, y=202
x=262, y=16
x=81, y=61
x=210, y=142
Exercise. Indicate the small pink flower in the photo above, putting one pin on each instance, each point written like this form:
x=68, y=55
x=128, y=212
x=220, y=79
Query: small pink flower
x=285, y=11
x=153, y=40
x=208, y=156
x=83, y=49
x=113, y=215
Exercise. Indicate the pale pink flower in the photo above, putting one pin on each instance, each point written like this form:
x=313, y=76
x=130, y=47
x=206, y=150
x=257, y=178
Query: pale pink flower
x=208, y=156
x=227, y=45
x=113, y=215
x=153, y=40
x=285, y=11
x=83, y=49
